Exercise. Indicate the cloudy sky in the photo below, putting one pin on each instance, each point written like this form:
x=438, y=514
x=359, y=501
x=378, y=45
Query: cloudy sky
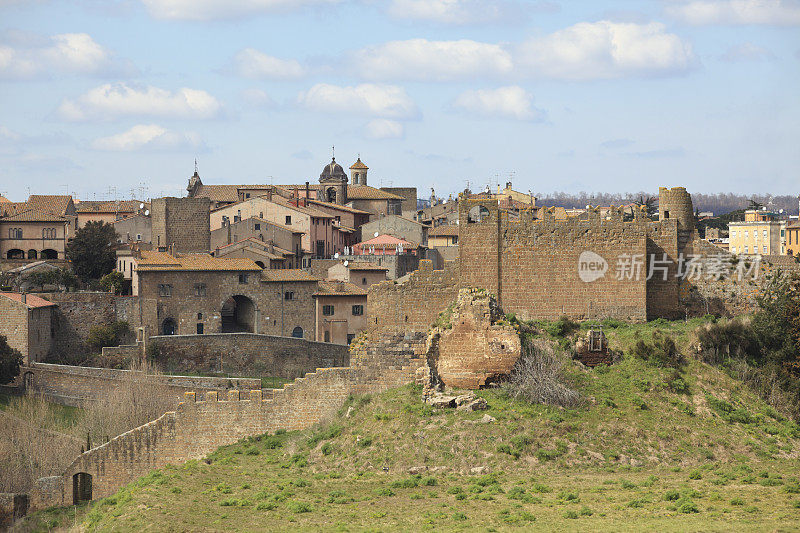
x=104, y=98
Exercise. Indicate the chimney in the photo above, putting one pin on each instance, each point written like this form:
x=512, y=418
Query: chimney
x=307, y=192
x=23, y=298
x=269, y=194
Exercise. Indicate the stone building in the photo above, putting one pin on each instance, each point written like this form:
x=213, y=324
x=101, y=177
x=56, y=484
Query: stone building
x=397, y=226
x=760, y=233
x=340, y=311
x=360, y=273
x=135, y=229
x=264, y=254
x=37, y=229
x=108, y=211
x=27, y=324
x=181, y=224
x=222, y=195
x=283, y=238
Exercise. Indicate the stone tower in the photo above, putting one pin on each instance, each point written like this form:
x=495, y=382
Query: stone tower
x=358, y=173
x=676, y=203
x=181, y=224
x=333, y=183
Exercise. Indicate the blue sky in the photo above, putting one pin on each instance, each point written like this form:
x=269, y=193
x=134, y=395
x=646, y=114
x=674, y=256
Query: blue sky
x=571, y=96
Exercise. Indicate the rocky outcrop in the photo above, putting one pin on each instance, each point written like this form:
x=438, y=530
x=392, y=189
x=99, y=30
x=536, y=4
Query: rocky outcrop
x=471, y=344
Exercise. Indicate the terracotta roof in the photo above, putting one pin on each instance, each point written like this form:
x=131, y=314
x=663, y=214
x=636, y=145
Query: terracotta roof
x=445, y=230
x=339, y=288
x=12, y=208
x=34, y=215
x=52, y=203
x=383, y=241
x=259, y=243
x=124, y=206
x=364, y=265
x=31, y=301
x=287, y=274
x=345, y=229
x=358, y=165
x=4, y=200
x=339, y=207
x=308, y=209
x=162, y=261
x=365, y=192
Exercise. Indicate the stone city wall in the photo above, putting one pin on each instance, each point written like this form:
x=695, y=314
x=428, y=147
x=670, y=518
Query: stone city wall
x=246, y=354
x=76, y=385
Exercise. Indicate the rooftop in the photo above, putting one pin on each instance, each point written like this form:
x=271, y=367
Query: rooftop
x=384, y=241
x=364, y=265
x=446, y=230
x=33, y=302
x=162, y=261
x=287, y=274
x=339, y=288
x=124, y=206
x=34, y=215
x=51, y=203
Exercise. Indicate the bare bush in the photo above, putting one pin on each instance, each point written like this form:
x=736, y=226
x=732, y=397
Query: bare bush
x=135, y=401
x=30, y=447
x=538, y=377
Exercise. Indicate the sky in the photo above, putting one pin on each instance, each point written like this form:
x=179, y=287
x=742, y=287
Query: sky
x=110, y=99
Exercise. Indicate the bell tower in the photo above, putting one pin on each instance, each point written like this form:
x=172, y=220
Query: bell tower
x=358, y=173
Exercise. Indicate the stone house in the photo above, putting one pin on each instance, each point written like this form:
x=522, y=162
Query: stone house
x=265, y=254
x=108, y=212
x=397, y=226
x=27, y=324
x=359, y=273
x=346, y=219
x=318, y=239
x=443, y=236
x=340, y=311
x=283, y=237
x=37, y=229
x=135, y=229
x=386, y=245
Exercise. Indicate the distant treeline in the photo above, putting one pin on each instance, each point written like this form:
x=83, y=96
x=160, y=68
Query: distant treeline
x=719, y=203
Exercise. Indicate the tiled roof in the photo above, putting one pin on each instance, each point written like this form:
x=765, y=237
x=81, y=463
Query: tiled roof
x=12, y=208
x=445, y=230
x=345, y=229
x=308, y=209
x=34, y=215
x=365, y=192
x=339, y=288
x=31, y=301
x=364, y=265
x=162, y=261
x=4, y=200
x=383, y=241
x=358, y=165
x=259, y=244
x=339, y=207
x=51, y=203
x=287, y=274
x=124, y=206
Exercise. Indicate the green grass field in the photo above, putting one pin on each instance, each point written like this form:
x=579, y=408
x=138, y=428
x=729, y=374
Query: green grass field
x=637, y=456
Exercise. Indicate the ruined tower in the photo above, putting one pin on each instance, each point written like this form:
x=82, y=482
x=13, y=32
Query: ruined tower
x=676, y=203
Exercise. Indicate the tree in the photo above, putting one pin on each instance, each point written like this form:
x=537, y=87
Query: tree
x=92, y=250
x=61, y=277
x=10, y=361
x=112, y=282
x=753, y=204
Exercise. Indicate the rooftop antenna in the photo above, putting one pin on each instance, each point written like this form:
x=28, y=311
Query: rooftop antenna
x=333, y=152
x=195, y=165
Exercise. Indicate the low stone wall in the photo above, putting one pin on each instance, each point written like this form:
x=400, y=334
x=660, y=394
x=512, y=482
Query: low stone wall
x=246, y=354
x=76, y=385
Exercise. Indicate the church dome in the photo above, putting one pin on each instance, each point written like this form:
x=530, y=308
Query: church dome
x=333, y=171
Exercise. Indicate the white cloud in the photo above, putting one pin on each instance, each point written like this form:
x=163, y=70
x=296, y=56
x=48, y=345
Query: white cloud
x=603, y=50
x=251, y=63
x=113, y=100
x=737, y=12
x=257, y=97
x=384, y=101
x=746, y=52
x=29, y=56
x=457, y=11
x=424, y=60
x=505, y=102
x=148, y=137
x=384, y=129
x=223, y=9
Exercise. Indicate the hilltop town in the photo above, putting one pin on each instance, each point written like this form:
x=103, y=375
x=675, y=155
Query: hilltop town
x=245, y=309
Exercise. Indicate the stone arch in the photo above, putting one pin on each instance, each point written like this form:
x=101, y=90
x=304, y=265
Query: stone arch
x=297, y=332
x=33, y=254
x=81, y=488
x=15, y=253
x=477, y=214
x=27, y=381
x=330, y=195
x=238, y=315
x=49, y=253
x=169, y=327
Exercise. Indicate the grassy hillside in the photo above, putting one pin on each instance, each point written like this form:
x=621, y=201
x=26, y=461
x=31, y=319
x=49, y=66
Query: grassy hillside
x=643, y=452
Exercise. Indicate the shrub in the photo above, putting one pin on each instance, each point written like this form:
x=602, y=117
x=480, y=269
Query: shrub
x=686, y=506
x=627, y=484
x=299, y=507
x=661, y=351
x=695, y=474
x=737, y=501
x=112, y=334
x=561, y=327
x=570, y=514
x=538, y=376
x=672, y=495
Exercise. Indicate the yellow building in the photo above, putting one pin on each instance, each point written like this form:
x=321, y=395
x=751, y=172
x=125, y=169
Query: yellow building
x=793, y=238
x=759, y=234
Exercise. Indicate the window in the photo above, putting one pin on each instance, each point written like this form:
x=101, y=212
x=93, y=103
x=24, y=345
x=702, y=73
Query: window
x=288, y=220
x=733, y=233
x=200, y=290
x=288, y=295
x=247, y=195
x=48, y=233
x=765, y=234
x=243, y=279
x=327, y=336
x=455, y=239
x=199, y=316
x=14, y=233
x=733, y=249
x=297, y=332
x=363, y=281
x=765, y=248
x=327, y=310
x=164, y=289
x=358, y=310
x=746, y=249
x=199, y=328
x=746, y=234
x=258, y=227
x=138, y=237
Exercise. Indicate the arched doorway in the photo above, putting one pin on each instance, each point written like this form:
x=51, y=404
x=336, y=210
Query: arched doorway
x=169, y=327
x=27, y=381
x=81, y=488
x=15, y=253
x=238, y=315
x=297, y=332
x=331, y=195
x=49, y=253
x=32, y=254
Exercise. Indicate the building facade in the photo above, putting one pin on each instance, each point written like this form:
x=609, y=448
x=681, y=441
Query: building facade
x=758, y=234
x=340, y=311
x=27, y=324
